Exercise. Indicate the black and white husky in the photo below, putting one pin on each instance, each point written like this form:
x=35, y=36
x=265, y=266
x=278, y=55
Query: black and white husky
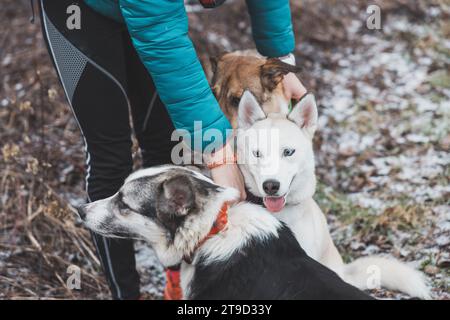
x=276, y=157
x=255, y=256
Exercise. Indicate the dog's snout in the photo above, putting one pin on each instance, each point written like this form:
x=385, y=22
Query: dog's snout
x=82, y=212
x=271, y=187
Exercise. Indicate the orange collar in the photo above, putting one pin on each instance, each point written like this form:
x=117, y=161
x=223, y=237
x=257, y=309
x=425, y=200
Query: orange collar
x=219, y=224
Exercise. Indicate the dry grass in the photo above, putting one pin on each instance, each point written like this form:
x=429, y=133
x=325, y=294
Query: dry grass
x=41, y=166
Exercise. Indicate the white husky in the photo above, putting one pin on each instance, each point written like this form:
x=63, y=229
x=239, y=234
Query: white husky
x=276, y=157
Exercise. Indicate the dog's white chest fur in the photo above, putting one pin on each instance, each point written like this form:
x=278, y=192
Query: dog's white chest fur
x=245, y=221
x=309, y=227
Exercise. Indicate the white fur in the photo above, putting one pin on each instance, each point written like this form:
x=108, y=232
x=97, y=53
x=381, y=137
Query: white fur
x=245, y=221
x=93, y=221
x=310, y=229
x=394, y=275
x=297, y=183
x=149, y=172
x=305, y=114
x=187, y=272
x=249, y=110
x=270, y=137
x=160, y=169
x=282, y=104
x=196, y=227
x=142, y=227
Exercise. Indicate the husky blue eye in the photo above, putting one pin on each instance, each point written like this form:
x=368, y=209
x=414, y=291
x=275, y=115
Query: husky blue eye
x=257, y=154
x=288, y=152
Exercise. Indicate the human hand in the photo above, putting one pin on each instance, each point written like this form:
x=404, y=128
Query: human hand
x=229, y=175
x=224, y=170
x=293, y=88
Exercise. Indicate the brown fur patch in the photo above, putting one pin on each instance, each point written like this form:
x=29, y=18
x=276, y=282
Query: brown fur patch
x=233, y=73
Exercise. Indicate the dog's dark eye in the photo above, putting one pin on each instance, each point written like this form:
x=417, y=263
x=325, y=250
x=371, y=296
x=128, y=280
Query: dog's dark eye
x=235, y=101
x=257, y=153
x=288, y=152
x=123, y=207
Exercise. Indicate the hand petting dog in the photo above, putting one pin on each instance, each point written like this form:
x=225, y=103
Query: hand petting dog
x=293, y=88
x=229, y=175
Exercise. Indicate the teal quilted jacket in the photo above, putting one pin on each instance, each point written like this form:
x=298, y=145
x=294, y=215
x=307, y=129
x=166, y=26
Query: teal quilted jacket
x=159, y=30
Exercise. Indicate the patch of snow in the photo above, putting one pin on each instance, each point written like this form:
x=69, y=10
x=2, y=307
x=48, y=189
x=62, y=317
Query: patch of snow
x=443, y=240
x=367, y=201
x=371, y=249
x=214, y=37
x=146, y=258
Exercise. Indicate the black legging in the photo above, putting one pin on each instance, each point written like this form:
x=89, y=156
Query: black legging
x=103, y=78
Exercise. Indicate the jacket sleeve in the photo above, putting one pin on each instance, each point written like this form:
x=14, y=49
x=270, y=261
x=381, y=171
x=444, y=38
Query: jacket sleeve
x=272, y=27
x=159, y=30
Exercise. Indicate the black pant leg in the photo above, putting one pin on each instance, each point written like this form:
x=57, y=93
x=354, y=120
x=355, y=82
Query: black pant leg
x=152, y=124
x=90, y=65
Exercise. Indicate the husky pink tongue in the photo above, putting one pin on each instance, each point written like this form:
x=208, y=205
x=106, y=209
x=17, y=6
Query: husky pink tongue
x=274, y=204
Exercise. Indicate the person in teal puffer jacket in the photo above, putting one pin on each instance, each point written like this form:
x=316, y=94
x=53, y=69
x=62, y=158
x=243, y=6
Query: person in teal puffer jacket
x=137, y=55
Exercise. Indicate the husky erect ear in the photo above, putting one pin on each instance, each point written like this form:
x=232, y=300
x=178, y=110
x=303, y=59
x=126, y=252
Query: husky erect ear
x=273, y=71
x=304, y=114
x=177, y=196
x=249, y=111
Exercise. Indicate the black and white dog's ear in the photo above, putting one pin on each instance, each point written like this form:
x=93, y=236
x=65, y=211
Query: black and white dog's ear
x=305, y=114
x=249, y=111
x=178, y=196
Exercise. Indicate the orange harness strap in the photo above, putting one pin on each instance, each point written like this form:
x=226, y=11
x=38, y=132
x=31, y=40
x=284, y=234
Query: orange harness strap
x=219, y=225
x=173, y=290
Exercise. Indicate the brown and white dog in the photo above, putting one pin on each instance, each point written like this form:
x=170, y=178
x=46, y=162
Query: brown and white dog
x=250, y=91
x=233, y=73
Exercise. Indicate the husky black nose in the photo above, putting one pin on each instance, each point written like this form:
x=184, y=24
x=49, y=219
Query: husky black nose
x=81, y=212
x=271, y=187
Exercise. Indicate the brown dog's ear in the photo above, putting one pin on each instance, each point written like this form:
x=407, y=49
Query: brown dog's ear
x=213, y=63
x=272, y=72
